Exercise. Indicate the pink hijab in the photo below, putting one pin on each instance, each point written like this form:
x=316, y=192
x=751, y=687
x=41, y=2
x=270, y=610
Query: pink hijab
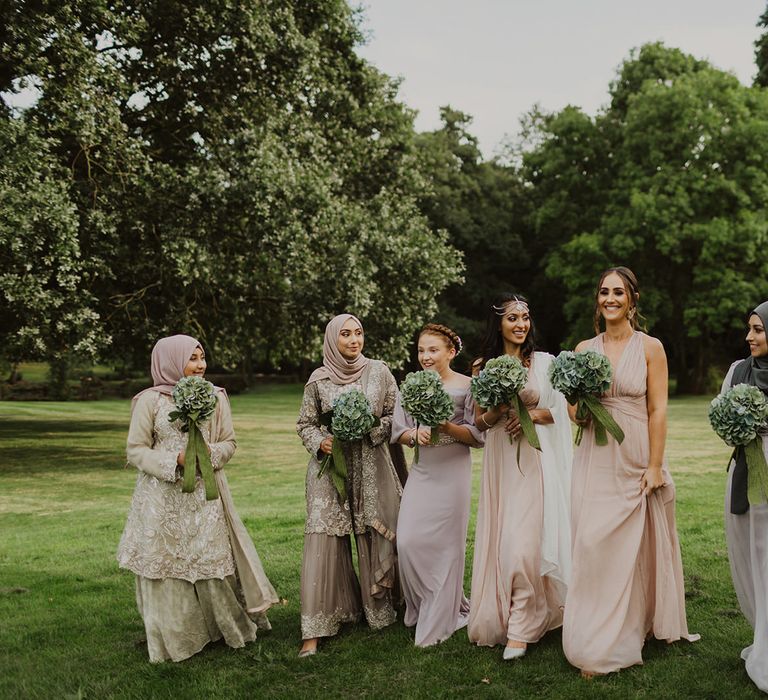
x=169, y=358
x=335, y=366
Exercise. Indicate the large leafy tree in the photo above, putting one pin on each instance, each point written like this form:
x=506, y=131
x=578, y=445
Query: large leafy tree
x=683, y=205
x=482, y=208
x=761, y=51
x=237, y=170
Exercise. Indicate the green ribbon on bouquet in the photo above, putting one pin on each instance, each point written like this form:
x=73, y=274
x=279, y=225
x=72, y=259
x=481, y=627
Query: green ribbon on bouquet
x=434, y=438
x=197, y=457
x=603, y=420
x=527, y=426
x=336, y=465
x=757, y=472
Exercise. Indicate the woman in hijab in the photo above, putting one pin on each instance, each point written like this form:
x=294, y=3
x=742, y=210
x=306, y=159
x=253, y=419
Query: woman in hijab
x=198, y=576
x=330, y=592
x=746, y=525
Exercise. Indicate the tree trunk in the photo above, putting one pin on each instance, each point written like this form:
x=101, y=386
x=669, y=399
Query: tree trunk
x=59, y=372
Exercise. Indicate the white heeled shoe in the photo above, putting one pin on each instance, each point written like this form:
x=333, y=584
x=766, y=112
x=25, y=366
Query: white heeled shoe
x=513, y=653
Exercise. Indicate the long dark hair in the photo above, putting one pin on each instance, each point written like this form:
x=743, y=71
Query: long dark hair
x=493, y=342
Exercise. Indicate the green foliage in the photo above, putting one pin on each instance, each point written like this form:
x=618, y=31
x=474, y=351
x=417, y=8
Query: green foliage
x=500, y=380
x=352, y=416
x=480, y=205
x=738, y=414
x=47, y=311
x=195, y=400
x=424, y=397
x=236, y=172
x=681, y=201
x=578, y=374
x=761, y=52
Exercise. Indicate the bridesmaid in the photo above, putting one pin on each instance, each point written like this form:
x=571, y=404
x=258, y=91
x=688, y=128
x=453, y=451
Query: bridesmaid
x=432, y=529
x=198, y=577
x=523, y=540
x=330, y=592
x=746, y=526
x=627, y=580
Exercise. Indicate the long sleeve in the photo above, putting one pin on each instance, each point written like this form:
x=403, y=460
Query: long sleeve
x=401, y=421
x=140, y=451
x=383, y=431
x=225, y=445
x=308, y=424
x=468, y=420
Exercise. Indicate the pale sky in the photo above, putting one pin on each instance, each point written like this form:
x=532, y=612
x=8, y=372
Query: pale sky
x=495, y=59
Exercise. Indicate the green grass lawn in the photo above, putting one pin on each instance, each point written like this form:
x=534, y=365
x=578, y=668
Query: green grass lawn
x=69, y=625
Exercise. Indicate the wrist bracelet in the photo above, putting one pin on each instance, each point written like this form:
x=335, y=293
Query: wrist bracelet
x=412, y=441
x=487, y=424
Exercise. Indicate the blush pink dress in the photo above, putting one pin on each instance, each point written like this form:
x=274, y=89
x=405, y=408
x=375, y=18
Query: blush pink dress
x=627, y=579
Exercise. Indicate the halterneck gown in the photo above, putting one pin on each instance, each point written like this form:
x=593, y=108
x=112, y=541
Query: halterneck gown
x=627, y=580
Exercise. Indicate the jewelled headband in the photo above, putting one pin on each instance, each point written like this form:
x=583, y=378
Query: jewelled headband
x=514, y=305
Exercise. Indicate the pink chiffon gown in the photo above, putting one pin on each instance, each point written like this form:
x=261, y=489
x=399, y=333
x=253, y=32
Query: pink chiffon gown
x=627, y=580
x=432, y=527
x=522, y=540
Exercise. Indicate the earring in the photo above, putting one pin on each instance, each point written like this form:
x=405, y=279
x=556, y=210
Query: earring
x=631, y=313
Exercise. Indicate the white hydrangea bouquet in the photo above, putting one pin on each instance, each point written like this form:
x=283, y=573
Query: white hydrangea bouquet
x=195, y=401
x=582, y=377
x=351, y=418
x=500, y=382
x=737, y=416
x=424, y=397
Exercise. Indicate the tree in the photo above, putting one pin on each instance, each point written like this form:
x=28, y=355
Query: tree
x=481, y=206
x=761, y=52
x=684, y=207
x=238, y=172
x=47, y=312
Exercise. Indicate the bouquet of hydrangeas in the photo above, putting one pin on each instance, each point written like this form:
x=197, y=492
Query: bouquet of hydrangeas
x=737, y=416
x=351, y=418
x=500, y=382
x=195, y=401
x=424, y=397
x=582, y=377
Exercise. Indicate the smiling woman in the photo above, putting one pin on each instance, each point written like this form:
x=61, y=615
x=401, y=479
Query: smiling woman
x=746, y=523
x=623, y=499
x=330, y=592
x=198, y=577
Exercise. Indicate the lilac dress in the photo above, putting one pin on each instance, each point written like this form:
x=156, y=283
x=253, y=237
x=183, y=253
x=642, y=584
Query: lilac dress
x=432, y=526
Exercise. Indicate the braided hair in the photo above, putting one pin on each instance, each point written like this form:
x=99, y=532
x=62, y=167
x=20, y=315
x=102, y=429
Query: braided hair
x=439, y=329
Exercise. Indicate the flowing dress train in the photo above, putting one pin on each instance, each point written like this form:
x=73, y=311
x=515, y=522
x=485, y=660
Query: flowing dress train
x=627, y=580
x=522, y=540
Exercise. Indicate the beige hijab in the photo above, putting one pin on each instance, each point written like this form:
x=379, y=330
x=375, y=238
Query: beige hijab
x=169, y=358
x=335, y=366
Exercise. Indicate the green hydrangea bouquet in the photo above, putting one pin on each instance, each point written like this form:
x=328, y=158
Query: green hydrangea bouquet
x=195, y=401
x=424, y=397
x=737, y=416
x=500, y=382
x=582, y=377
x=351, y=418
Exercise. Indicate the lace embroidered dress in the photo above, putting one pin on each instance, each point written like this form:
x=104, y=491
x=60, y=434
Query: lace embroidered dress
x=178, y=544
x=330, y=592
